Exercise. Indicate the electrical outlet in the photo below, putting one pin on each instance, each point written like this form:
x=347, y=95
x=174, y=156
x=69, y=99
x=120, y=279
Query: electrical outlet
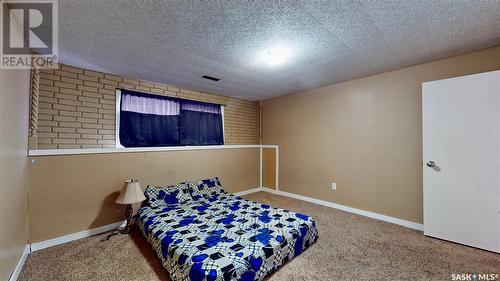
x=334, y=186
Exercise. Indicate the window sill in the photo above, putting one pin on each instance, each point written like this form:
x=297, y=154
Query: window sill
x=56, y=152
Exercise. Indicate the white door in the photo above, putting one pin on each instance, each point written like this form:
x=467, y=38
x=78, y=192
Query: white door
x=461, y=154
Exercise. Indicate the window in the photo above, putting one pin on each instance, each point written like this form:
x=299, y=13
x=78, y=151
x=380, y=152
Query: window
x=146, y=120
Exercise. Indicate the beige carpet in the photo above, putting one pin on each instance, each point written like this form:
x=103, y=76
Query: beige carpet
x=349, y=247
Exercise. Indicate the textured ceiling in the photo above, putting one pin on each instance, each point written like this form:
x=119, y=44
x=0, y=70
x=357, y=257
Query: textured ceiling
x=177, y=42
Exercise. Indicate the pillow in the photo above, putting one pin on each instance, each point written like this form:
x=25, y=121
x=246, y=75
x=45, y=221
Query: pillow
x=161, y=196
x=207, y=188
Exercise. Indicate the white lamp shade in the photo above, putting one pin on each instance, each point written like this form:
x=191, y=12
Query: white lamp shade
x=131, y=193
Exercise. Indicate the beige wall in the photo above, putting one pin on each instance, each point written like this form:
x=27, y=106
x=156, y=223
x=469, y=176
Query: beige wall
x=364, y=134
x=77, y=108
x=74, y=193
x=269, y=167
x=14, y=96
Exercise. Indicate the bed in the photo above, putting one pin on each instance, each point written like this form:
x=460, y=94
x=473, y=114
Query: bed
x=201, y=232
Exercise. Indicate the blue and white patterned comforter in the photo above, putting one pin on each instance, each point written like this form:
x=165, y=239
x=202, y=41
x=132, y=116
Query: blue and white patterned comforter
x=227, y=239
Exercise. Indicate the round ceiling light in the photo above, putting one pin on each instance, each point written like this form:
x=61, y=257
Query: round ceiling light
x=275, y=56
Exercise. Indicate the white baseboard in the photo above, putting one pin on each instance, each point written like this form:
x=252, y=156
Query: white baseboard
x=74, y=236
x=86, y=233
x=20, y=264
x=405, y=223
x=245, y=192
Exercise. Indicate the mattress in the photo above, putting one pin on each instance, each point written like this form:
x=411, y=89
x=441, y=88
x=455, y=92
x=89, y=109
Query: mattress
x=229, y=238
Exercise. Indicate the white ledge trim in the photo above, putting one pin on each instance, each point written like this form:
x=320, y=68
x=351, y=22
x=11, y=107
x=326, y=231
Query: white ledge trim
x=55, y=152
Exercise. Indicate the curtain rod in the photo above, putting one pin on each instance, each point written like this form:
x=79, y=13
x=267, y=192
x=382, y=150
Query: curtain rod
x=156, y=94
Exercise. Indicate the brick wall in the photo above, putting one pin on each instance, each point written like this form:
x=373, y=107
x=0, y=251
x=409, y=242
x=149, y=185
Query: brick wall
x=76, y=109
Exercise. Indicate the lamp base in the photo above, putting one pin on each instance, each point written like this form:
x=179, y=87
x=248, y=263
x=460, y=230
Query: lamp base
x=124, y=230
x=128, y=215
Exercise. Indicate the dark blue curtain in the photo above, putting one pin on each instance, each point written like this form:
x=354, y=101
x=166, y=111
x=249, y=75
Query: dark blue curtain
x=143, y=130
x=148, y=120
x=151, y=120
x=200, y=123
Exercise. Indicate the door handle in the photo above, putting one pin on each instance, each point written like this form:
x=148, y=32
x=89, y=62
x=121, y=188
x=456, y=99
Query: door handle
x=430, y=164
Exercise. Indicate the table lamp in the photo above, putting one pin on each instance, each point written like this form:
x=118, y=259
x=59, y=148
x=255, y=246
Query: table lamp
x=130, y=194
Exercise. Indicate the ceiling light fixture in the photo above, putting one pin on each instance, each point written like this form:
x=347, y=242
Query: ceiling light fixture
x=275, y=56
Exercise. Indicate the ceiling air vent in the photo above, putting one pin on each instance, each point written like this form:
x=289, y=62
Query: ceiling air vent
x=210, y=78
